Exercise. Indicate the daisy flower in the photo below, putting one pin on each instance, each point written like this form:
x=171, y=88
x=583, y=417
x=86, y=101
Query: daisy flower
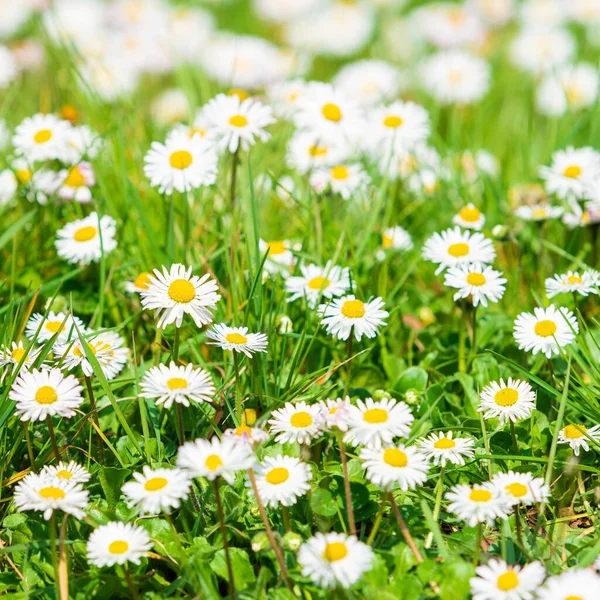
x=199, y=128
x=237, y=339
x=499, y=581
x=477, y=282
x=41, y=137
x=345, y=180
x=65, y=325
x=282, y=480
x=86, y=240
x=82, y=143
x=396, y=238
x=584, y=284
x=117, y=543
x=538, y=49
x=296, y=422
x=571, y=172
x=576, y=435
x=469, y=217
x=283, y=97
x=369, y=81
x=448, y=25
x=307, y=151
x=246, y=435
x=75, y=182
x=328, y=281
x=547, y=330
x=41, y=394
x=8, y=186
x=575, y=584
x=478, y=504
x=335, y=413
x=238, y=123
x=279, y=256
x=375, y=423
x=454, y=247
x=177, y=384
x=539, y=212
x=334, y=559
x=395, y=465
x=47, y=494
x=176, y=292
x=521, y=488
x=182, y=163
x=509, y=401
x=139, y=284
x=66, y=472
x=349, y=315
x=215, y=458
x=441, y=448
x=16, y=353
x=157, y=490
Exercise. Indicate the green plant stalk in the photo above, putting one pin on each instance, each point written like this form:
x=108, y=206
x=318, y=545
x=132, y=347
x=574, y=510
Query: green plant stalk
x=94, y=411
x=437, y=505
x=224, y=536
x=53, y=438
x=377, y=522
x=347, y=489
x=238, y=388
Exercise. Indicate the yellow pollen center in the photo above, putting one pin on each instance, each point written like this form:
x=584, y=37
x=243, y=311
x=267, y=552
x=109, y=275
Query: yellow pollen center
x=476, y=279
x=17, y=354
x=392, y=121
x=545, y=328
x=118, y=547
x=196, y=131
x=572, y=171
x=301, y=419
x=241, y=94
x=574, y=432
x=276, y=247
x=508, y=581
x=75, y=178
x=574, y=598
x=339, y=172
x=353, y=309
x=46, y=394
x=506, y=397
x=395, y=457
x=470, y=214
x=78, y=351
x=213, y=462
x=181, y=290
x=317, y=150
x=375, y=415
x=317, y=283
x=142, y=281
x=64, y=474
x=386, y=241
x=42, y=136
x=480, y=496
x=573, y=279
x=277, y=475
x=85, y=234
x=238, y=121
x=23, y=175
x=181, y=159
x=177, y=383
x=236, y=338
x=457, y=250
x=243, y=430
x=155, y=484
x=53, y=326
x=52, y=493
x=335, y=551
x=516, y=489
x=540, y=213
x=444, y=443
x=332, y=112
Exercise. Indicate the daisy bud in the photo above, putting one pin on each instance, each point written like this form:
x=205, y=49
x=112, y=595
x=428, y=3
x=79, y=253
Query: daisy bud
x=381, y=395
x=260, y=542
x=292, y=541
x=284, y=324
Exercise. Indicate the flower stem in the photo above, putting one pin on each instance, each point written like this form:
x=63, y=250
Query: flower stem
x=99, y=442
x=175, y=348
x=514, y=437
x=349, y=369
x=29, y=446
x=129, y=582
x=238, y=388
x=347, y=490
x=54, y=553
x=461, y=342
x=224, y=536
x=478, y=544
x=474, y=338
x=285, y=511
x=438, y=504
x=232, y=190
x=404, y=529
x=377, y=522
x=53, y=438
x=179, y=411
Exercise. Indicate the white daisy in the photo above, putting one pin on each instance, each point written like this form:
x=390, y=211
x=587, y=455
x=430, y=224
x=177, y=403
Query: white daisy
x=469, y=217
x=425, y=182
x=16, y=353
x=546, y=330
x=522, y=488
x=117, y=543
x=238, y=123
x=279, y=256
x=396, y=238
x=448, y=25
x=509, y=401
x=375, y=423
x=41, y=394
x=345, y=180
x=246, y=435
x=139, y=284
x=8, y=186
x=404, y=163
x=499, y=581
x=349, y=315
x=157, y=490
x=177, y=384
x=584, y=284
x=577, y=436
x=86, y=240
x=328, y=281
x=444, y=447
x=182, y=163
x=307, y=150
x=575, y=584
x=199, y=128
x=572, y=172
x=478, y=504
x=539, y=212
x=67, y=472
x=395, y=465
x=454, y=247
x=334, y=559
x=296, y=422
x=237, y=339
x=477, y=282
x=284, y=96
x=538, y=49
x=74, y=183
x=176, y=292
x=65, y=325
x=47, y=494
x=82, y=143
x=282, y=480
x=334, y=413
x=41, y=137
x=215, y=458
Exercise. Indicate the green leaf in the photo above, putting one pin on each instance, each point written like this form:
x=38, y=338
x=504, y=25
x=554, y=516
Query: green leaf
x=111, y=480
x=243, y=573
x=414, y=378
x=322, y=503
x=454, y=583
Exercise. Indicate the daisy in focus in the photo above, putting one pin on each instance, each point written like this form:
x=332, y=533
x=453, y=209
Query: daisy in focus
x=335, y=413
x=477, y=282
x=478, y=504
x=296, y=422
x=86, y=240
x=282, y=480
x=395, y=466
x=328, y=281
x=511, y=401
x=41, y=137
x=117, y=543
x=499, y=581
x=237, y=339
x=469, y=217
x=578, y=436
x=441, y=448
x=522, y=488
x=67, y=472
x=43, y=328
x=584, y=284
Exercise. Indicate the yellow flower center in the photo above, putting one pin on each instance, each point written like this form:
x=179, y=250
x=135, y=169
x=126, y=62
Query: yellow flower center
x=17, y=354
x=85, y=234
x=64, y=474
x=317, y=150
x=46, y=394
x=277, y=475
x=457, y=250
x=52, y=493
x=574, y=94
x=574, y=432
x=573, y=171
x=53, y=326
x=508, y=581
x=23, y=175
x=181, y=159
x=375, y=415
x=75, y=178
x=42, y=136
x=276, y=247
x=213, y=462
x=506, y=397
x=516, y=489
x=574, y=598
x=238, y=121
x=480, y=496
x=155, y=484
x=386, y=241
x=332, y=112
x=545, y=328
x=540, y=213
x=395, y=457
x=196, y=131
x=573, y=279
x=241, y=94
x=335, y=551
x=470, y=214
x=340, y=172
x=118, y=547
x=317, y=283
x=78, y=351
x=236, y=338
x=142, y=281
x=444, y=443
x=182, y=290
x=243, y=430
x=392, y=121
x=177, y=383
x=301, y=419
x=476, y=279
x=353, y=309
